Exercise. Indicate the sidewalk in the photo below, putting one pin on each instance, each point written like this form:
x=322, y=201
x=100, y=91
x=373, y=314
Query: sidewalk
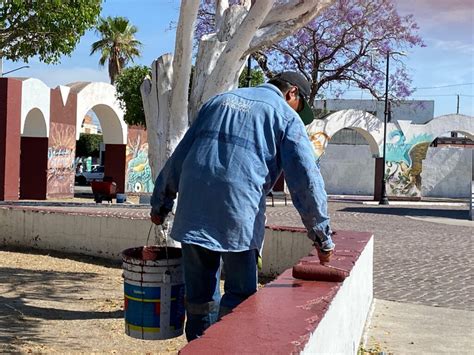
x=402, y=328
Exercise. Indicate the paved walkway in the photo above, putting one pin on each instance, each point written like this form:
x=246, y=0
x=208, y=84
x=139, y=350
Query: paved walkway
x=415, y=260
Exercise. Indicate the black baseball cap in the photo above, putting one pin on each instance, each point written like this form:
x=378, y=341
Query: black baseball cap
x=304, y=88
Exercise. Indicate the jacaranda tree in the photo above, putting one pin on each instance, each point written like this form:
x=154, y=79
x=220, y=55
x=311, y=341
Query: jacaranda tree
x=345, y=46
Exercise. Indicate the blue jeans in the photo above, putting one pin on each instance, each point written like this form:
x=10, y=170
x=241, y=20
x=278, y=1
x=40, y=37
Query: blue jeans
x=204, y=305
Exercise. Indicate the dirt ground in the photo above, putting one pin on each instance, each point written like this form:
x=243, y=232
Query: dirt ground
x=66, y=304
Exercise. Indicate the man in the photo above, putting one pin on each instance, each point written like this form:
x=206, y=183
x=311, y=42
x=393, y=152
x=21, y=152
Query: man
x=223, y=169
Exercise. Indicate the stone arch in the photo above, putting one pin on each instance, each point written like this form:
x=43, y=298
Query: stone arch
x=366, y=124
x=451, y=123
x=100, y=97
x=35, y=105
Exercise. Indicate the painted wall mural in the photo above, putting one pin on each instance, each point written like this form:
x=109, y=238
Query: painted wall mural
x=319, y=140
x=61, y=151
x=404, y=163
x=138, y=176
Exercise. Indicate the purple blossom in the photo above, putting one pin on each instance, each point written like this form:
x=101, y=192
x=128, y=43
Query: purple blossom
x=358, y=32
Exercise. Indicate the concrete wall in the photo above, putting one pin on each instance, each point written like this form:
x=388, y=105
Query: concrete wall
x=340, y=331
x=413, y=110
x=282, y=250
x=447, y=172
x=96, y=236
x=348, y=170
x=293, y=316
x=107, y=236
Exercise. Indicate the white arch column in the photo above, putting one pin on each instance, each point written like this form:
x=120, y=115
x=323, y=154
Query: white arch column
x=100, y=98
x=35, y=119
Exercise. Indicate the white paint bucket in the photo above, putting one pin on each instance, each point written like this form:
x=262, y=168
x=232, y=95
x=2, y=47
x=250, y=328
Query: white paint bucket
x=154, y=293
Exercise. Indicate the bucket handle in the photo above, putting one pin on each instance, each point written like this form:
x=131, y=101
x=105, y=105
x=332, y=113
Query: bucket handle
x=164, y=233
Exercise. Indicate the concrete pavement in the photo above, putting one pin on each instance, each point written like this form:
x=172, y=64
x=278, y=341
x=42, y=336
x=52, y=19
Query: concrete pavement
x=403, y=328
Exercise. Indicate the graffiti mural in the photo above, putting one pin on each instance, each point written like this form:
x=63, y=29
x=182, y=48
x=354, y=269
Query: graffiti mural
x=404, y=163
x=61, y=151
x=139, y=177
x=319, y=141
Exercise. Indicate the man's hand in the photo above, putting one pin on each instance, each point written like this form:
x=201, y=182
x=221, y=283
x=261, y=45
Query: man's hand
x=325, y=256
x=158, y=220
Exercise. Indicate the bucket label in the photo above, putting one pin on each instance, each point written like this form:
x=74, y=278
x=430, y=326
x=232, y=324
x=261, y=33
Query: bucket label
x=142, y=307
x=177, y=306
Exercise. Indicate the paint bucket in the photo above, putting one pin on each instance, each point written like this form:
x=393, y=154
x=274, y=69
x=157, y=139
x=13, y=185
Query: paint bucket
x=154, y=292
x=120, y=198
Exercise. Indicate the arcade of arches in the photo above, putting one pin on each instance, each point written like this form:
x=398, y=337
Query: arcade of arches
x=39, y=127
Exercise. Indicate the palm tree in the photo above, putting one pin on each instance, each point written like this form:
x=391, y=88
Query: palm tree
x=117, y=45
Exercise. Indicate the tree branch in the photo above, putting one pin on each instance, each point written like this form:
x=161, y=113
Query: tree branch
x=221, y=7
x=234, y=50
x=182, y=61
x=272, y=33
x=283, y=12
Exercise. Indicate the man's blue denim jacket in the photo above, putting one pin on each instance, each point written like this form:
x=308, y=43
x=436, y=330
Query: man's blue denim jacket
x=227, y=163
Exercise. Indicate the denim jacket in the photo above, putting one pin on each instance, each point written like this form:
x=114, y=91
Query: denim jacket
x=227, y=163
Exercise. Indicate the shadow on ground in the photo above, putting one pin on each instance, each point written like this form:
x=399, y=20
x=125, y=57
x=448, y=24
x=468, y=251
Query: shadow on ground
x=27, y=297
x=407, y=211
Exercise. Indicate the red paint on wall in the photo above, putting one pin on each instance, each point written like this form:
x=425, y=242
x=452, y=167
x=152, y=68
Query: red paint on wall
x=115, y=155
x=33, y=168
x=10, y=121
x=280, y=318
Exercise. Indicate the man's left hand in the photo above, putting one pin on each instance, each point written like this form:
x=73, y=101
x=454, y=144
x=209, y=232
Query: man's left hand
x=158, y=220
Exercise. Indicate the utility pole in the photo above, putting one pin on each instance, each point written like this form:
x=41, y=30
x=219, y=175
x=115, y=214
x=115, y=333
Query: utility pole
x=384, y=198
x=454, y=134
x=249, y=73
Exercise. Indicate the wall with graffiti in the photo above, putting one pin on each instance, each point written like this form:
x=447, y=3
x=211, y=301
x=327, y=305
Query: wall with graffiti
x=404, y=163
x=138, y=173
x=406, y=151
x=61, y=151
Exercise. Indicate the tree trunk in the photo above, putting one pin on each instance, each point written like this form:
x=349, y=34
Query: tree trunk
x=241, y=30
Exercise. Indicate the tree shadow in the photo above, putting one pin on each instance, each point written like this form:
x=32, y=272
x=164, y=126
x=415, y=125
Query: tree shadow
x=23, y=291
x=414, y=212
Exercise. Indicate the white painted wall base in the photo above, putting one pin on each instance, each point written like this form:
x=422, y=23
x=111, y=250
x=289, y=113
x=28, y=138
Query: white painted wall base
x=108, y=236
x=104, y=237
x=283, y=249
x=340, y=331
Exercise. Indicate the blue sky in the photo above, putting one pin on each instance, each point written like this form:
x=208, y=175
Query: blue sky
x=447, y=28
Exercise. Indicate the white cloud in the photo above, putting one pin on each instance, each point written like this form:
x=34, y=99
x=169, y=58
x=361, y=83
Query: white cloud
x=453, y=46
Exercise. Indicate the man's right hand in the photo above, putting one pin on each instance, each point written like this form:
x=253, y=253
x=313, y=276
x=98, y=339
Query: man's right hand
x=158, y=220
x=325, y=256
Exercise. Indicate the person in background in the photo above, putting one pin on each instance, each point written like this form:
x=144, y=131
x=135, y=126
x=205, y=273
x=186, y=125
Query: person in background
x=79, y=168
x=223, y=169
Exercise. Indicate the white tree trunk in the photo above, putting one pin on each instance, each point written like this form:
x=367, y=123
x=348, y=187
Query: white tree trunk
x=241, y=30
